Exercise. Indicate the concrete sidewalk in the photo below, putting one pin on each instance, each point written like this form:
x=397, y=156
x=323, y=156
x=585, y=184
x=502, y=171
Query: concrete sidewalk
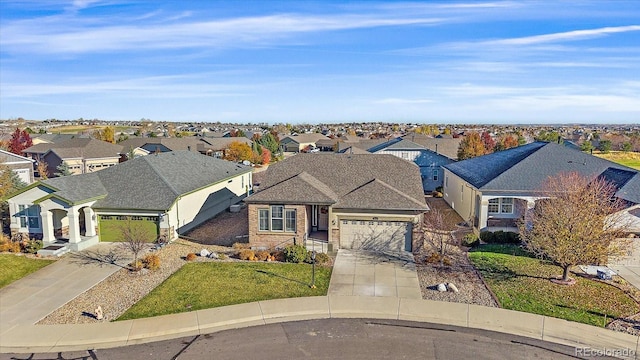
x=58, y=338
x=33, y=297
x=364, y=273
x=630, y=273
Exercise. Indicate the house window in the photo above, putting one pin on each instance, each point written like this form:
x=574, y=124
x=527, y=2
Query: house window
x=405, y=155
x=277, y=221
x=501, y=206
x=263, y=219
x=290, y=220
x=446, y=181
x=29, y=216
x=435, y=175
x=507, y=206
x=494, y=206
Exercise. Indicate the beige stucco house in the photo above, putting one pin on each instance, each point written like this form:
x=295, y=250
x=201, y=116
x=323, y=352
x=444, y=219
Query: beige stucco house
x=167, y=194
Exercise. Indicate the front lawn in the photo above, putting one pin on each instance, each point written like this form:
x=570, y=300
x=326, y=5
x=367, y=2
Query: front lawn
x=522, y=283
x=14, y=267
x=211, y=284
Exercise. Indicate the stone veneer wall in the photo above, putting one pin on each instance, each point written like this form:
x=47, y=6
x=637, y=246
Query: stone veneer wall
x=269, y=239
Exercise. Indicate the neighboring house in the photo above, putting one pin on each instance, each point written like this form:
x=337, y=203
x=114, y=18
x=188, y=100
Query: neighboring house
x=82, y=155
x=296, y=143
x=493, y=191
x=20, y=165
x=444, y=144
x=367, y=201
x=430, y=163
x=167, y=194
x=215, y=147
x=54, y=138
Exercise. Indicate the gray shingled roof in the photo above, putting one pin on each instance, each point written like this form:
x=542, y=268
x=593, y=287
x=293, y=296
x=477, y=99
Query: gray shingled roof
x=445, y=146
x=397, y=144
x=150, y=182
x=81, y=148
x=306, y=138
x=370, y=181
x=524, y=169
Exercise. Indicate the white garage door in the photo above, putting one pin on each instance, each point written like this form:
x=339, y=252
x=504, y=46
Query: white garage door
x=375, y=235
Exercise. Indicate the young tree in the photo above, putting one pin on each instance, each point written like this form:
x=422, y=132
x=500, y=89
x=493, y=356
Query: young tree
x=135, y=238
x=586, y=146
x=107, y=134
x=270, y=142
x=577, y=222
x=9, y=181
x=19, y=141
x=63, y=170
x=488, y=142
x=43, y=169
x=436, y=233
x=605, y=146
x=266, y=156
x=238, y=151
x=471, y=146
x=506, y=142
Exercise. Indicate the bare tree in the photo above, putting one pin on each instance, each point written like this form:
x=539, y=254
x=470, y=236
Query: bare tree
x=436, y=232
x=135, y=238
x=43, y=169
x=578, y=222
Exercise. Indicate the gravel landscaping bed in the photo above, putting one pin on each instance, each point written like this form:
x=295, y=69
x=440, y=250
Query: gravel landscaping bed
x=120, y=291
x=461, y=273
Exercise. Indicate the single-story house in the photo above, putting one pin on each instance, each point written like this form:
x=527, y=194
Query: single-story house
x=353, y=201
x=82, y=155
x=20, y=165
x=215, y=147
x=167, y=194
x=430, y=162
x=296, y=143
x=493, y=191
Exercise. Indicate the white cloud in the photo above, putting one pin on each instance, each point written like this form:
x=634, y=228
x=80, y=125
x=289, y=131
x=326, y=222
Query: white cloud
x=564, y=36
x=66, y=34
x=400, y=101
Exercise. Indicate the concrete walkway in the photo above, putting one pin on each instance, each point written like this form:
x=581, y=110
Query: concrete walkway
x=630, y=273
x=33, y=297
x=363, y=273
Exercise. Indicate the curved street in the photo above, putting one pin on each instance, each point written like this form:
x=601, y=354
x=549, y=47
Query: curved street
x=333, y=339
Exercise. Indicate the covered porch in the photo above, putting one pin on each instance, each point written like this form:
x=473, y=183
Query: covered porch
x=501, y=213
x=67, y=227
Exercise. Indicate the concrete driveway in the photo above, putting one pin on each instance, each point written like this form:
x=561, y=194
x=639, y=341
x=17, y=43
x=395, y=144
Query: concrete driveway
x=28, y=300
x=367, y=273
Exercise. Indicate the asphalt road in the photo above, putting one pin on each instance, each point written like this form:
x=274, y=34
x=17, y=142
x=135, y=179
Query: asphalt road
x=333, y=339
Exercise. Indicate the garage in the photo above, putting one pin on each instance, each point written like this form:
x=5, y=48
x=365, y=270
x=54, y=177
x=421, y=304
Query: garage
x=110, y=226
x=375, y=235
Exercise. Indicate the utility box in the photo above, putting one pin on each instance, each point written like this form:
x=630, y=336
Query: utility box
x=605, y=274
x=234, y=208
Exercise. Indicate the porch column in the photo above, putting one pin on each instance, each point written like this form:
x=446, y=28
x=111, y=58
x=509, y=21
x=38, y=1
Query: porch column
x=74, y=225
x=47, y=226
x=89, y=222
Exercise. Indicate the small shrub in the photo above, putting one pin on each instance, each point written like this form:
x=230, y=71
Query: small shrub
x=11, y=246
x=470, y=240
x=191, y=257
x=151, y=262
x=32, y=246
x=241, y=246
x=440, y=189
x=322, y=258
x=246, y=254
x=436, y=194
x=436, y=258
x=262, y=255
x=500, y=237
x=278, y=255
x=295, y=254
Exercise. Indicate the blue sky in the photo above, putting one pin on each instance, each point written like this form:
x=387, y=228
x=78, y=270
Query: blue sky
x=304, y=61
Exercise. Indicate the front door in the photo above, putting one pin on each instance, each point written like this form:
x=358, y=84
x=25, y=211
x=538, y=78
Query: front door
x=323, y=218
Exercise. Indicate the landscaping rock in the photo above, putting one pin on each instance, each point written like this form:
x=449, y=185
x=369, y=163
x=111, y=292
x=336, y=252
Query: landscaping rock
x=205, y=253
x=452, y=287
x=442, y=287
x=213, y=255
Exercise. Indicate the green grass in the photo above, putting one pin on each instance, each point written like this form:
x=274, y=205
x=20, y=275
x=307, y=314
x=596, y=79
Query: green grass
x=522, y=283
x=13, y=267
x=630, y=159
x=212, y=284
